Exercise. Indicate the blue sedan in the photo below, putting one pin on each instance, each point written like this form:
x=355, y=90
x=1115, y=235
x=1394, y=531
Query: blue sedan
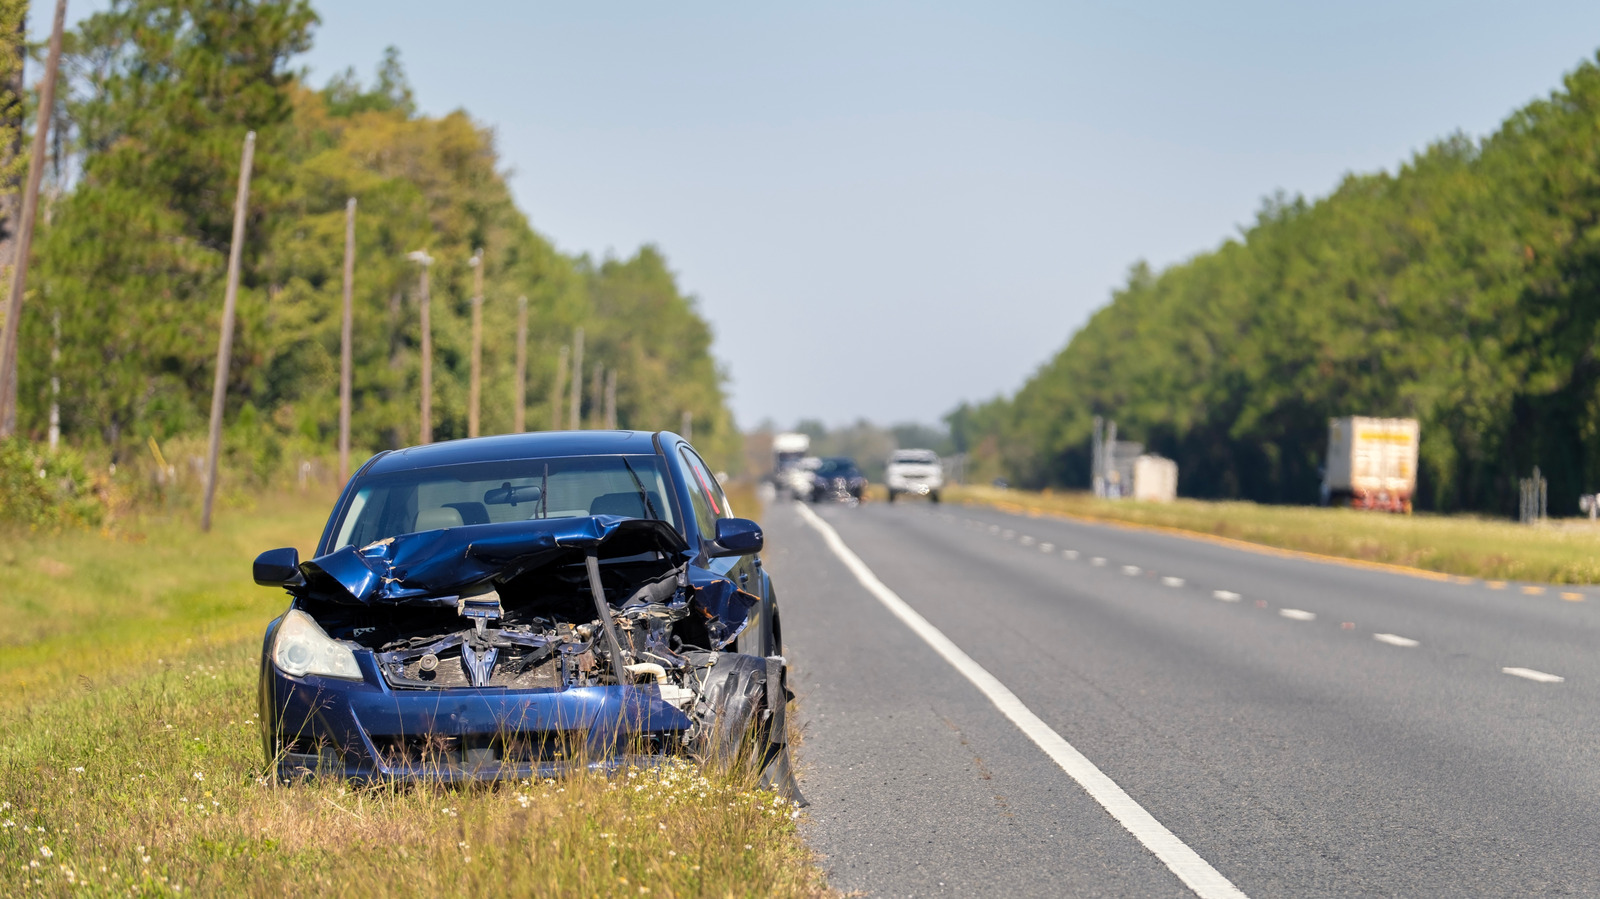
x=514, y=606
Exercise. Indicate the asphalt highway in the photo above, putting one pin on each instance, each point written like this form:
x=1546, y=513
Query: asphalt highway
x=1306, y=728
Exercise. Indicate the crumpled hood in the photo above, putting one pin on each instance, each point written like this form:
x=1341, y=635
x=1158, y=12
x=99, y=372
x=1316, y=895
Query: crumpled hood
x=429, y=568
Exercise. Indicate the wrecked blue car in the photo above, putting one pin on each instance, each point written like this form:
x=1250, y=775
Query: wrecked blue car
x=505, y=607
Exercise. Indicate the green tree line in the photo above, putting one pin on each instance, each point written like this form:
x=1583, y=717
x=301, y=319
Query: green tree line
x=131, y=255
x=1462, y=290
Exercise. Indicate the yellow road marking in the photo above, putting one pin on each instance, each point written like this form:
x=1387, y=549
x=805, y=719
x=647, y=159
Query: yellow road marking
x=1531, y=590
x=1572, y=597
x=1495, y=585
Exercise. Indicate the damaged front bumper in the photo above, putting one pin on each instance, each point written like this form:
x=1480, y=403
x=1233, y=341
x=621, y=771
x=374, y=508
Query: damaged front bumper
x=369, y=731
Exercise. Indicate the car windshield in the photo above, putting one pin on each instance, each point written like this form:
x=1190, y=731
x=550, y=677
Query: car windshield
x=425, y=499
x=837, y=467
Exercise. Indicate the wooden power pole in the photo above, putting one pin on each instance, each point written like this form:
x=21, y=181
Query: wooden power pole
x=575, y=420
x=425, y=433
x=686, y=430
x=477, y=343
x=558, y=390
x=519, y=397
x=596, y=390
x=346, y=327
x=24, y=231
x=230, y=300
x=611, y=400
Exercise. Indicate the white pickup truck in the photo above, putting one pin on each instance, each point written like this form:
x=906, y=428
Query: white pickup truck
x=914, y=471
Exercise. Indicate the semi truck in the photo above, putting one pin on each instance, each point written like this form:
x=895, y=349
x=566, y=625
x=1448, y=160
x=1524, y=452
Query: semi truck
x=1372, y=463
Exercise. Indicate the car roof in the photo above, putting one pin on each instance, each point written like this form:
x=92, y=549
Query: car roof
x=537, y=445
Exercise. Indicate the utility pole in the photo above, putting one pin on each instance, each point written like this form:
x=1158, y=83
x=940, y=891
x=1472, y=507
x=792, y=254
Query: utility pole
x=519, y=392
x=596, y=389
x=686, y=429
x=55, y=380
x=558, y=389
x=346, y=328
x=230, y=301
x=425, y=436
x=1108, y=465
x=1097, y=458
x=575, y=419
x=477, y=342
x=611, y=400
x=30, y=206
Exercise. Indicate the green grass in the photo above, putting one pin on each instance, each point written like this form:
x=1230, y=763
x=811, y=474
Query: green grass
x=131, y=763
x=84, y=605
x=1565, y=552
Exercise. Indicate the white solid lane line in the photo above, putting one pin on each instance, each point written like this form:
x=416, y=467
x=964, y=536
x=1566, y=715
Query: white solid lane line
x=1194, y=871
x=1531, y=674
x=1298, y=614
x=1172, y=581
x=1225, y=595
x=1395, y=640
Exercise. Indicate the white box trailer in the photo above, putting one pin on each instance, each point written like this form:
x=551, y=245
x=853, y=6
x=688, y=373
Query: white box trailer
x=1372, y=462
x=1155, y=479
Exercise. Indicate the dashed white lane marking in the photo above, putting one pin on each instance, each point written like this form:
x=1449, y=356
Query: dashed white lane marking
x=1225, y=595
x=1008, y=534
x=1531, y=674
x=1070, y=553
x=994, y=529
x=1047, y=547
x=1195, y=872
x=1097, y=561
x=1026, y=540
x=1131, y=570
x=1298, y=614
x=1172, y=582
x=1395, y=640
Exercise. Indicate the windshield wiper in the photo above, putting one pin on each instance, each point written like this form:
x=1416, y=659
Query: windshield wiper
x=649, y=507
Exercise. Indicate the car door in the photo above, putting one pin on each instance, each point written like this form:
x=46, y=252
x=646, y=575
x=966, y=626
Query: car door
x=709, y=505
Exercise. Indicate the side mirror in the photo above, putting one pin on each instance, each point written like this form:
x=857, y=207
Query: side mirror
x=278, y=568
x=736, y=537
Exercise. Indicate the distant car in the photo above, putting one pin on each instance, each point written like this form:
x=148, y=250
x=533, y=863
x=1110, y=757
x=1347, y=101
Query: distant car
x=838, y=478
x=914, y=471
x=514, y=606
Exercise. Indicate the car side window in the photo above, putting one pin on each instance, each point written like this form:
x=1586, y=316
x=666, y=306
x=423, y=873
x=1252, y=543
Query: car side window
x=705, y=495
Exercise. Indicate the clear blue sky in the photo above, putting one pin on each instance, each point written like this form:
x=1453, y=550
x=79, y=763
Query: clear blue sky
x=887, y=208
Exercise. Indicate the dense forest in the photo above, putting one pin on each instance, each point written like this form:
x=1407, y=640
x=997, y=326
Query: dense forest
x=129, y=264
x=1462, y=290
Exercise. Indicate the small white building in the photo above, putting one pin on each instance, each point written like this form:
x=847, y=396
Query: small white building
x=1155, y=479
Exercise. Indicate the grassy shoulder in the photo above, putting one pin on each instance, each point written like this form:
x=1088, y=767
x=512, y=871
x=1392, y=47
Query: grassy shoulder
x=84, y=605
x=1555, y=553
x=131, y=762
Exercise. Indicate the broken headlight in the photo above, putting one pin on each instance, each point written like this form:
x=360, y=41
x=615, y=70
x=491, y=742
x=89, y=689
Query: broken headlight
x=301, y=648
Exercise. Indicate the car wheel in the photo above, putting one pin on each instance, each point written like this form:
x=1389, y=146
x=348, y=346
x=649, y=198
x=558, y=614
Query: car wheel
x=891, y=496
x=933, y=496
